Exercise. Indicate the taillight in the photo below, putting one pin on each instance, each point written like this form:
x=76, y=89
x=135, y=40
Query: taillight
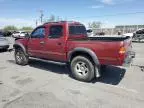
x=122, y=50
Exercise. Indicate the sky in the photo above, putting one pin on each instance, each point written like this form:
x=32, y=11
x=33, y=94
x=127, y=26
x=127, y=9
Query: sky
x=109, y=12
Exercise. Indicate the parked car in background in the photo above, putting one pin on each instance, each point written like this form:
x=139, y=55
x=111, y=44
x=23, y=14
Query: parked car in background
x=137, y=35
x=129, y=34
x=19, y=34
x=90, y=33
x=4, y=43
x=7, y=33
x=1, y=33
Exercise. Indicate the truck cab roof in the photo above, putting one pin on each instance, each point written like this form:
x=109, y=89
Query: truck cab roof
x=64, y=22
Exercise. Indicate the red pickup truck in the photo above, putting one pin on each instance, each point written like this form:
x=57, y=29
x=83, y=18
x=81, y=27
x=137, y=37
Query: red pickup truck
x=68, y=42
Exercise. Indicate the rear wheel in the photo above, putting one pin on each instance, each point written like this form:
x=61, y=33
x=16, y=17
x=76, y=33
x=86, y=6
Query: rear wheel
x=20, y=57
x=82, y=68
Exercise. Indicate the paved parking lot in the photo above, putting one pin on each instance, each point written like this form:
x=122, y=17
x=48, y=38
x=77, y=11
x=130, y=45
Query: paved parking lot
x=47, y=85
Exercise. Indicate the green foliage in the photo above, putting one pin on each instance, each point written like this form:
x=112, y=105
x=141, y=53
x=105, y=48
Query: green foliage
x=27, y=29
x=10, y=28
x=95, y=25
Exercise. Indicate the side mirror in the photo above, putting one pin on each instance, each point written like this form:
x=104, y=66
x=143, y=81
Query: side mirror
x=89, y=31
x=27, y=35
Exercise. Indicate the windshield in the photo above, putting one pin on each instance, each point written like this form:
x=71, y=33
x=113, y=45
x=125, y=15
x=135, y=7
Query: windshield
x=77, y=30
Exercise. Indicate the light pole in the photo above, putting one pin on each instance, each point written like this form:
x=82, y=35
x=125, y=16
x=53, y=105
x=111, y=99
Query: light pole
x=41, y=16
x=36, y=23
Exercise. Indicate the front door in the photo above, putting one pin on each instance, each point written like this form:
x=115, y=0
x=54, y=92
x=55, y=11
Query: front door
x=36, y=42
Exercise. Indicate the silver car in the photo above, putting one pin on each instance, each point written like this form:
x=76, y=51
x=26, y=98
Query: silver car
x=4, y=43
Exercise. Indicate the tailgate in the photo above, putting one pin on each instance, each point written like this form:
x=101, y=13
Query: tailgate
x=128, y=54
x=128, y=45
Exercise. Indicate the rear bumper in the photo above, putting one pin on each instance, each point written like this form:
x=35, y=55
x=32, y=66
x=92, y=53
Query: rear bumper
x=4, y=47
x=128, y=60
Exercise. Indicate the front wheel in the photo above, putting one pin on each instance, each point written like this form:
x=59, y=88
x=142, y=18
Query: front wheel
x=82, y=68
x=20, y=57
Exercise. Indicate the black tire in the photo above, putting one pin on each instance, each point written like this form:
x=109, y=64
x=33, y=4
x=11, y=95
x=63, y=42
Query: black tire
x=85, y=65
x=20, y=57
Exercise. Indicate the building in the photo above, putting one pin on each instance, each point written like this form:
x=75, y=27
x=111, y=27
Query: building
x=119, y=28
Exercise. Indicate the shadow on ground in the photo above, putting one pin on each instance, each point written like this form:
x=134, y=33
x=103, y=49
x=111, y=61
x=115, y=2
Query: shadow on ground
x=110, y=75
x=11, y=61
x=49, y=66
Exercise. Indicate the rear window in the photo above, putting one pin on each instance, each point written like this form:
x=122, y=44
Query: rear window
x=77, y=30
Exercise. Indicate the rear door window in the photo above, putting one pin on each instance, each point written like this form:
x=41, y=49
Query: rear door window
x=77, y=30
x=55, y=31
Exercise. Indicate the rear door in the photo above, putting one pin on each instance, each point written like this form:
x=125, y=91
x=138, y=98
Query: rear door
x=36, y=42
x=55, y=43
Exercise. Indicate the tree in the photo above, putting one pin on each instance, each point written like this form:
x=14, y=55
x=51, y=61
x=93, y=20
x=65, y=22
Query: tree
x=10, y=28
x=27, y=29
x=53, y=18
x=95, y=25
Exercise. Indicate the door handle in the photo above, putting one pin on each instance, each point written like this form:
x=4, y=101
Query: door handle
x=42, y=42
x=59, y=43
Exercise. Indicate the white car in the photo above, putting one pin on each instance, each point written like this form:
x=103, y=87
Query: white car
x=129, y=34
x=4, y=43
x=19, y=34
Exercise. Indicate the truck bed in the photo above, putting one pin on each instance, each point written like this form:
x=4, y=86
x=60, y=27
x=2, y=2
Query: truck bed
x=108, y=39
x=106, y=48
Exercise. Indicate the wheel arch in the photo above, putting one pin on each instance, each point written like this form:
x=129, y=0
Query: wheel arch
x=84, y=52
x=19, y=45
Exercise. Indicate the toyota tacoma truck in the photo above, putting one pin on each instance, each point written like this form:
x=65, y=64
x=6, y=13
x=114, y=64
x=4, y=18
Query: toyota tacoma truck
x=67, y=42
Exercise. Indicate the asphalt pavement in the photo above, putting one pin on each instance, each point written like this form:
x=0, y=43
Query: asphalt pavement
x=47, y=85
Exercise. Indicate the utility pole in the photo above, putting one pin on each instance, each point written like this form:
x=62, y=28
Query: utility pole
x=36, y=23
x=137, y=27
x=124, y=29
x=41, y=16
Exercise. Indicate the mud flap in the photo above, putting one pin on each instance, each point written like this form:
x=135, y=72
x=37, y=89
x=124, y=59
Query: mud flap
x=97, y=72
